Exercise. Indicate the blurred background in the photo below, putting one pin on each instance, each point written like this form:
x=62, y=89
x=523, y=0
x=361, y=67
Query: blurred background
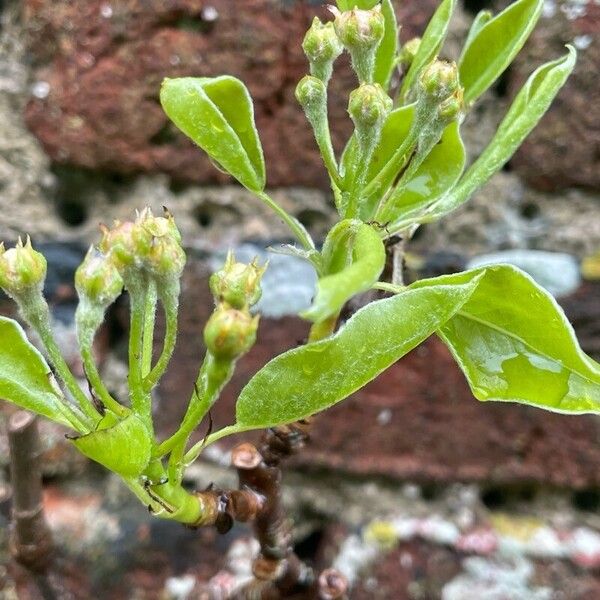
x=412, y=488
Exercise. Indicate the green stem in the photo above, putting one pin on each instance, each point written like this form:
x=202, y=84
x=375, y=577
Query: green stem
x=295, y=226
x=192, y=454
x=140, y=400
x=148, y=335
x=151, y=379
x=91, y=372
x=39, y=319
x=213, y=376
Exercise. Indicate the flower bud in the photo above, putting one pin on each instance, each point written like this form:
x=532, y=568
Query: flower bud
x=229, y=332
x=438, y=81
x=22, y=269
x=321, y=46
x=118, y=242
x=361, y=32
x=311, y=94
x=237, y=284
x=369, y=105
x=408, y=53
x=97, y=279
x=451, y=107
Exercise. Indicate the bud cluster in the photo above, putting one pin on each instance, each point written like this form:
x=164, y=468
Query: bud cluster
x=231, y=329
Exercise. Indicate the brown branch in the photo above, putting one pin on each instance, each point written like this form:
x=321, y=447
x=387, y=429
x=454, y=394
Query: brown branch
x=31, y=542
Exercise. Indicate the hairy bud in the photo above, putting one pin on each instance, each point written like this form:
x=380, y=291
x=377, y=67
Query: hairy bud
x=408, y=53
x=361, y=32
x=321, y=46
x=439, y=81
x=22, y=269
x=311, y=94
x=97, y=279
x=229, y=332
x=237, y=284
x=369, y=105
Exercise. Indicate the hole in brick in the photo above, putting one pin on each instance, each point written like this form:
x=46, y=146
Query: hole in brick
x=494, y=497
x=587, y=499
x=308, y=547
x=177, y=186
x=474, y=6
x=204, y=217
x=507, y=168
x=430, y=492
x=527, y=493
x=72, y=212
x=501, y=86
x=530, y=210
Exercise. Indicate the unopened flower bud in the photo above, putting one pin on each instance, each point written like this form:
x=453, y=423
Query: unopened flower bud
x=439, y=81
x=408, y=53
x=369, y=105
x=22, y=270
x=451, y=107
x=229, y=332
x=97, y=279
x=311, y=94
x=237, y=284
x=321, y=46
x=361, y=32
x=118, y=242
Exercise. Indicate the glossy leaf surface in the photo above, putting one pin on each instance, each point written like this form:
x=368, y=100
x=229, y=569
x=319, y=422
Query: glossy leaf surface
x=495, y=45
x=437, y=174
x=310, y=378
x=481, y=18
x=430, y=45
x=123, y=448
x=217, y=114
x=514, y=343
x=25, y=378
x=385, y=58
x=527, y=109
x=353, y=259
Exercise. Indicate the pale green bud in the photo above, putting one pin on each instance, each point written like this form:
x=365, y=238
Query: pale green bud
x=451, y=107
x=369, y=105
x=229, y=332
x=237, y=284
x=97, y=279
x=438, y=81
x=321, y=46
x=22, y=269
x=311, y=94
x=361, y=32
x=408, y=53
x=118, y=242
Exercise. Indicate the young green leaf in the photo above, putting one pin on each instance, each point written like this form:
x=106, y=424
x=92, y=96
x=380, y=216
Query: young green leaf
x=482, y=17
x=385, y=59
x=495, y=45
x=26, y=379
x=350, y=4
x=527, y=109
x=123, y=448
x=437, y=174
x=352, y=263
x=308, y=379
x=217, y=114
x=514, y=343
x=430, y=45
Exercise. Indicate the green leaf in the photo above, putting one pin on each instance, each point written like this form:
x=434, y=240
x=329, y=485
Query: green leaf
x=217, y=114
x=430, y=45
x=350, y=4
x=385, y=58
x=514, y=343
x=353, y=259
x=123, y=448
x=527, y=109
x=25, y=378
x=495, y=46
x=308, y=379
x=482, y=17
x=437, y=174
